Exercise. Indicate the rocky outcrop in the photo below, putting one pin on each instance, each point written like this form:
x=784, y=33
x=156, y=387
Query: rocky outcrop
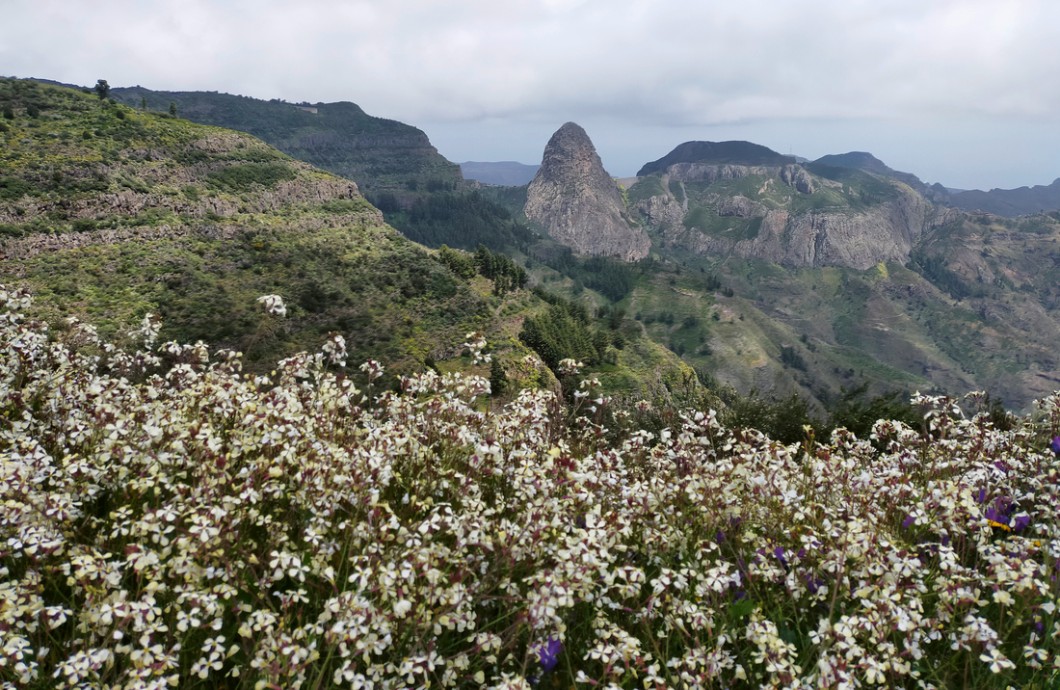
x=574, y=199
x=798, y=179
x=853, y=236
x=821, y=238
x=741, y=207
x=793, y=175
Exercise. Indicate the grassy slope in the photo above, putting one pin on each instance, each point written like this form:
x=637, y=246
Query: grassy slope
x=127, y=212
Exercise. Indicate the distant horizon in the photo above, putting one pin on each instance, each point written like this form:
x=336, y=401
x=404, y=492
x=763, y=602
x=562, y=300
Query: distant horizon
x=629, y=169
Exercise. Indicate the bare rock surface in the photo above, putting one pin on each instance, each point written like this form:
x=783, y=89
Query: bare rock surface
x=574, y=199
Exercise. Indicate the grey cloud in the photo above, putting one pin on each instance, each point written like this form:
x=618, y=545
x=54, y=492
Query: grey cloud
x=683, y=68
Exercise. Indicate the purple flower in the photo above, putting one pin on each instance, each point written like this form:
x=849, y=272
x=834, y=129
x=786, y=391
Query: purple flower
x=908, y=521
x=548, y=654
x=1021, y=521
x=994, y=515
x=981, y=498
x=779, y=554
x=1055, y=445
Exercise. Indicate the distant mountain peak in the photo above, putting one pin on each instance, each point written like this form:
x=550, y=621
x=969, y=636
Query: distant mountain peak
x=866, y=162
x=718, y=153
x=575, y=200
x=857, y=160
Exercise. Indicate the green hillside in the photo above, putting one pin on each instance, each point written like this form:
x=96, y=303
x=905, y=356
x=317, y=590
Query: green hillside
x=380, y=155
x=394, y=164
x=817, y=279
x=109, y=213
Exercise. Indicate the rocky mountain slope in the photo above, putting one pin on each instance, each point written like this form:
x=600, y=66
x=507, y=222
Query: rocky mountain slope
x=577, y=203
x=1009, y=203
x=814, y=277
x=794, y=215
x=865, y=161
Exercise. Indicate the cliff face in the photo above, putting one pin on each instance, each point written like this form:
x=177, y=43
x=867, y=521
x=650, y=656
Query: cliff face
x=574, y=199
x=788, y=215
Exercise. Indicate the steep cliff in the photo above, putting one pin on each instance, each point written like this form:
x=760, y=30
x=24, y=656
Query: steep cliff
x=574, y=199
x=786, y=214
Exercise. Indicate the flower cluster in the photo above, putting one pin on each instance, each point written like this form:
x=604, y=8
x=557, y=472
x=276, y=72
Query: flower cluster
x=475, y=345
x=168, y=521
x=273, y=304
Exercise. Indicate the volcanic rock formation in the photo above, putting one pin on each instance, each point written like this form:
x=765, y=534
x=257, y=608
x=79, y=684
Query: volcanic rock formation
x=574, y=199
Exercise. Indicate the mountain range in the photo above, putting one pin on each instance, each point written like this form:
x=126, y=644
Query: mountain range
x=762, y=272
x=109, y=213
x=820, y=276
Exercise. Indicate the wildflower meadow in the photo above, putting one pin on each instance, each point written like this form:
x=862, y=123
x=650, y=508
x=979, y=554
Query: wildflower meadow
x=167, y=520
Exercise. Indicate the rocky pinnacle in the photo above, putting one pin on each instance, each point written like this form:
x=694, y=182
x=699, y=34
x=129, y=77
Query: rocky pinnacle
x=574, y=199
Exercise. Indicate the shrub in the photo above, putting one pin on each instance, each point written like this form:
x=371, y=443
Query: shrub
x=237, y=178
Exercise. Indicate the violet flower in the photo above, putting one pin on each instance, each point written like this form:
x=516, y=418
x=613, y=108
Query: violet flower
x=548, y=654
x=1055, y=445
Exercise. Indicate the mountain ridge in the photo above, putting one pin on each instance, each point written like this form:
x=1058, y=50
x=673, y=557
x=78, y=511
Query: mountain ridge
x=717, y=153
x=109, y=213
x=382, y=155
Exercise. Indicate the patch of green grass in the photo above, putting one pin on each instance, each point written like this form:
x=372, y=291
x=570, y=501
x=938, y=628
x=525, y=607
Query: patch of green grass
x=706, y=220
x=243, y=177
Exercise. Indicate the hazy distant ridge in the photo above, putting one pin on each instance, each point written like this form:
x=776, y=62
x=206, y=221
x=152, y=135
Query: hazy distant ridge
x=505, y=173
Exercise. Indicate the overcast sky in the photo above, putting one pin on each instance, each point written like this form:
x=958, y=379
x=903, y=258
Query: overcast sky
x=963, y=92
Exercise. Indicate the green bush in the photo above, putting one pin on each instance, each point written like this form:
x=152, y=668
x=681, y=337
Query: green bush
x=246, y=176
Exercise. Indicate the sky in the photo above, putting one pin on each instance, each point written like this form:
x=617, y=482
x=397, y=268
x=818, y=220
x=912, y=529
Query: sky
x=962, y=92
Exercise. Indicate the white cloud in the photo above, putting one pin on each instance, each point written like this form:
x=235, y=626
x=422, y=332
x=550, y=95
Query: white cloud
x=683, y=66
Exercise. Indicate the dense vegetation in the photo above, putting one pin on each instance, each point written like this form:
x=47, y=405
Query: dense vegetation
x=458, y=219
x=167, y=521
x=149, y=213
